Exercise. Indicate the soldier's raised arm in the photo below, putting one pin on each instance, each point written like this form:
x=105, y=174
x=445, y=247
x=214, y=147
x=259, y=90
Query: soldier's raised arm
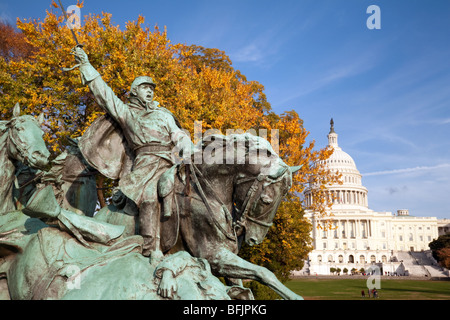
x=103, y=94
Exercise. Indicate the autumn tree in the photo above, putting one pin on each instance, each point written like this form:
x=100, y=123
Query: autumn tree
x=193, y=82
x=440, y=249
x=444, y=257
x=13, y=45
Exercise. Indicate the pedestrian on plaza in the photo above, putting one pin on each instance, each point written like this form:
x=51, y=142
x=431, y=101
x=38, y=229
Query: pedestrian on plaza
x=375, y=293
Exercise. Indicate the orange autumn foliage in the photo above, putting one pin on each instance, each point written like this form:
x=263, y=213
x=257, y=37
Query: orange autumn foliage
x=195, y=83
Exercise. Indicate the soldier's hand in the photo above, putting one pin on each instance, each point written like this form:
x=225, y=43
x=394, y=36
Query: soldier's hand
x=80, y=56
x=168, y=285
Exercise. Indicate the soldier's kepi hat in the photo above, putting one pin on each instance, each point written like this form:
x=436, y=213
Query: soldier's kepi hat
x=140, y=80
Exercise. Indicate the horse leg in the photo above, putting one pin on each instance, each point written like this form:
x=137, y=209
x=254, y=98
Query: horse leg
x=228, y=264
x=233, y=282
x=4, y=291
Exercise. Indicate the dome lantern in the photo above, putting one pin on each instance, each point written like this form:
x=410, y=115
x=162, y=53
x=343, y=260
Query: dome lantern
x=332, y=136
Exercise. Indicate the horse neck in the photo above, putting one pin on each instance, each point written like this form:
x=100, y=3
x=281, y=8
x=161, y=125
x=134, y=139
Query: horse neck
x=232, y=161
x=6, y=177
x=216, y=182
x=222, y=178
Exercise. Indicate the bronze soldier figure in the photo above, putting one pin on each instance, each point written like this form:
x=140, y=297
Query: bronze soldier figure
x=152, y=132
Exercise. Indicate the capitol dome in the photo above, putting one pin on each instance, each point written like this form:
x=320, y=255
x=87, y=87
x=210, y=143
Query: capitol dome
x=340, y=161
x=351, y=192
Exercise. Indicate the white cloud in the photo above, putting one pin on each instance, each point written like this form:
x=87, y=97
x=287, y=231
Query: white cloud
x=319, y=81
x=263, y=45
x=407, y=170
x=249, y=53
x=6, y=18
x=423, y=191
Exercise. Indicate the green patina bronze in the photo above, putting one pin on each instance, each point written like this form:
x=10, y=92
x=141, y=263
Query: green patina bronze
x=172, y=226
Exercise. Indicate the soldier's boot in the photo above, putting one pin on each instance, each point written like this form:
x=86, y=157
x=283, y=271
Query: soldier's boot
x=149, y=226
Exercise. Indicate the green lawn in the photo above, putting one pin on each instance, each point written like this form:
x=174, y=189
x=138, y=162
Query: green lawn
x=350, y=289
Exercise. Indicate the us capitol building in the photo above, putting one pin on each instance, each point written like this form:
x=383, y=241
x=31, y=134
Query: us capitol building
x=361, y=237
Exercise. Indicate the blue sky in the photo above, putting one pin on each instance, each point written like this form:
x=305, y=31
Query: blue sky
x=388, y=90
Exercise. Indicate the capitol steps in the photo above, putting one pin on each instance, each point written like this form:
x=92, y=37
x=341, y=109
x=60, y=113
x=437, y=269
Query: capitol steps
x=421, y=264
x=425, y=259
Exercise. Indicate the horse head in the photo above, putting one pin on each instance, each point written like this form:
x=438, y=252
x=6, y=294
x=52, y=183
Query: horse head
x=258, y=197
x=25, y=142
x=259, y=178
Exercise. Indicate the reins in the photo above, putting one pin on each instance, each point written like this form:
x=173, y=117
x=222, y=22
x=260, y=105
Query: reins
x=208, y=207
x=250, y=198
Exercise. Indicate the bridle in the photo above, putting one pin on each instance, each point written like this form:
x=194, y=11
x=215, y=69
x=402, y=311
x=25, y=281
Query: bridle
x=251, y=198
x=249, y=202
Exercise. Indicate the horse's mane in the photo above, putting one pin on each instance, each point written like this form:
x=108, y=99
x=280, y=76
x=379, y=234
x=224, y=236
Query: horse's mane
x=6, y=124
x=3, y=129
x=3, y=126
x=236, y=141
x=243, y=148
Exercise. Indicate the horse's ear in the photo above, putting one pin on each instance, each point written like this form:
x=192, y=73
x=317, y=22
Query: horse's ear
x=41, y=118
x=16, y=110
x=295, y=169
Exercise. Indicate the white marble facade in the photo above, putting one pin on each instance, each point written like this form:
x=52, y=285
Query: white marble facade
x=361, y=237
